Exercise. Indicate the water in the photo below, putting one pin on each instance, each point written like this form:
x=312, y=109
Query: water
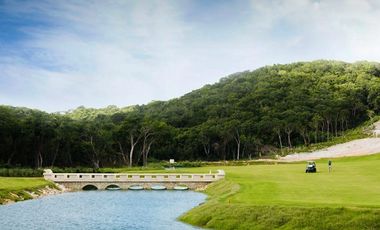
x=102, y=210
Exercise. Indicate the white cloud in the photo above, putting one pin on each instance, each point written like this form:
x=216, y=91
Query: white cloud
x=101, y=53
x=332, y=29
x=96, y=53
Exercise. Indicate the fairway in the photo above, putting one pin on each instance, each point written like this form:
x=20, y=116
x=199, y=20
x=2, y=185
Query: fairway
x=353, y=182
x=284, y=196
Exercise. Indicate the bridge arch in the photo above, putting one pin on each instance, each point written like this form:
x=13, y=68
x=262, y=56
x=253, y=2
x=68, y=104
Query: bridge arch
x=113, y=187
x=89, y=187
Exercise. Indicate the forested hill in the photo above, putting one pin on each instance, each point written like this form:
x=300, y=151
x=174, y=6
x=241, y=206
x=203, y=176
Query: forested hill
x=83, y=113
x=244, y=115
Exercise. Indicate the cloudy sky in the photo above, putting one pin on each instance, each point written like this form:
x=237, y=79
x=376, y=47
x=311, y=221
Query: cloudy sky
x=58, y=55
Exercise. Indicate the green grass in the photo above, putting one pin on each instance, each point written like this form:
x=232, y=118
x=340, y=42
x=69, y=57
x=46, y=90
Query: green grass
x=19, y=186
x=240, y=216
x=283, y=196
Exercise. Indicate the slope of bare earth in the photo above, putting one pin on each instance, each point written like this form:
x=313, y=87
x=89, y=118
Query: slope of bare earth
x=358, y=147
x=376, y=125
x=365, y=146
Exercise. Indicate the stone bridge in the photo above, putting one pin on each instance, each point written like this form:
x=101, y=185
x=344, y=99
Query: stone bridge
x=80, y=181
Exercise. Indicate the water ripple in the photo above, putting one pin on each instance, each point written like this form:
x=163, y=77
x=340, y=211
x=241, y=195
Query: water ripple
x=102, y=210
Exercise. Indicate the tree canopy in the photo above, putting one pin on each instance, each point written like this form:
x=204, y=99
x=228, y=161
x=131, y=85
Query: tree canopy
x=243, y=115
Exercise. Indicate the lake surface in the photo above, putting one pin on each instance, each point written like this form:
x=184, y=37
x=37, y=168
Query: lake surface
x=102, y=210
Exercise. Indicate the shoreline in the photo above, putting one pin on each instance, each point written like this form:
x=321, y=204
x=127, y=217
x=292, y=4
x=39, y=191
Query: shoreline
x=48, y=190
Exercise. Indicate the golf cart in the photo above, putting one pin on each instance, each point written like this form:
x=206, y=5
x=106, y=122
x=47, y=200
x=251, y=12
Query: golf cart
x=311, y=167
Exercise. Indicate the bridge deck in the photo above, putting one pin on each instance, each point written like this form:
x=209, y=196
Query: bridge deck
x=78, y=180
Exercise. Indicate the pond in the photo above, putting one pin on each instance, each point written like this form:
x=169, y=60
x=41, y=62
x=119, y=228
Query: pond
x=102, y=210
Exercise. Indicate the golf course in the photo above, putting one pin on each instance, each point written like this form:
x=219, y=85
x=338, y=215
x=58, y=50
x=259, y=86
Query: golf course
x=275, y=195
x=283, y=196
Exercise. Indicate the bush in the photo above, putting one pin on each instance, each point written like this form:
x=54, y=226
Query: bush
x=74, y=170
x=183, y=164
x=20, y=172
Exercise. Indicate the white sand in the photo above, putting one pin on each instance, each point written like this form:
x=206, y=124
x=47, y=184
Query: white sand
x=366, y=146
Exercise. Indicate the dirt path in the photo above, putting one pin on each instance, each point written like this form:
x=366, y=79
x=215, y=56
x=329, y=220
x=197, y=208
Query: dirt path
x=366, y=146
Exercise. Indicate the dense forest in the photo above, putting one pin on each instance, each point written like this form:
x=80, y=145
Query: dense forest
x=244, y=115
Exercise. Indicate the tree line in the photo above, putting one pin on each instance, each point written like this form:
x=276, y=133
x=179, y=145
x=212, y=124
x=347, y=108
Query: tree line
x=244, y=115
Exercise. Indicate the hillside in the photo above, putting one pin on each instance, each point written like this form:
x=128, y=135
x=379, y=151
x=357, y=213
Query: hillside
x=245, y=115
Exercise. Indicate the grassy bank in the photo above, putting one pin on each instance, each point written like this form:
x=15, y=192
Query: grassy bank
x=239, y=216
x=284, y=197
x=17, y=189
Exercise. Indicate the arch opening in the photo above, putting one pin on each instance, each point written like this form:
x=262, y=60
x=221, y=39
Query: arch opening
x=113, y=187
x=89, y=187
x=136, y=187
x=158, y=187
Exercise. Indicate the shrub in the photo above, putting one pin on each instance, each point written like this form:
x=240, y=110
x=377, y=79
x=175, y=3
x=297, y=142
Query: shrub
x=20, y=172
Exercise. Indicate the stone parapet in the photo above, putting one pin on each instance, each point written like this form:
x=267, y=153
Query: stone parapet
x=77, y=181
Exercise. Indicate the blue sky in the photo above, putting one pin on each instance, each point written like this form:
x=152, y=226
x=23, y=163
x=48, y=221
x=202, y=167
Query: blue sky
x=58, y=55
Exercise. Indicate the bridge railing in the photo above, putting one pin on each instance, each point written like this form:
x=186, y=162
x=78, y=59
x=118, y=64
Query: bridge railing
x=132, y=177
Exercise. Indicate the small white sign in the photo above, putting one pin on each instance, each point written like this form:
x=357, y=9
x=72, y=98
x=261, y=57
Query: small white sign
x=171, y=161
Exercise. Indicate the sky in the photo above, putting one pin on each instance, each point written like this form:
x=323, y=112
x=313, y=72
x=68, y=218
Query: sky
x=58, y=55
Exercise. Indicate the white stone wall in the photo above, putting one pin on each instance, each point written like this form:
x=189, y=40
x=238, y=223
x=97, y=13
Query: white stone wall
x=132, y=177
